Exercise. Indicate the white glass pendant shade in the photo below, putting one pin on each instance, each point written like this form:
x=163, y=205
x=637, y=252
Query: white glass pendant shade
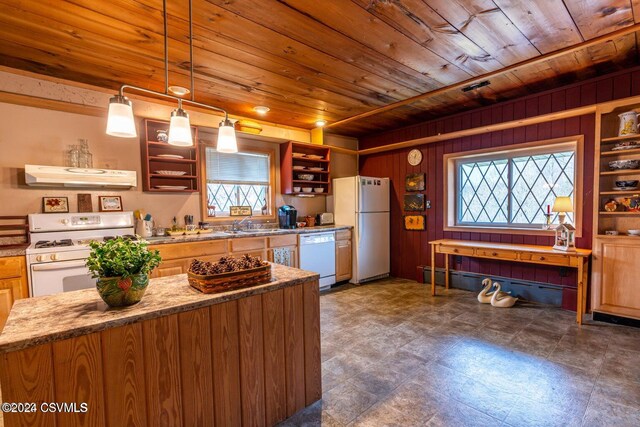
x=120, y=120
x=227, y=138
x=180, y=129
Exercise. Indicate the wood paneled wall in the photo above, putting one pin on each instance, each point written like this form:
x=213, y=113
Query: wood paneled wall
x=249, y=362
x=410, y=249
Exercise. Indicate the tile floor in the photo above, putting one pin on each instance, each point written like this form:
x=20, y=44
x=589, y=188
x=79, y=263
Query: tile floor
x=395, y=356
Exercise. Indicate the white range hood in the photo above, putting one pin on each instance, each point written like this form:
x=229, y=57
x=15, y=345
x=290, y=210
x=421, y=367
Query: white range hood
x=57, y=176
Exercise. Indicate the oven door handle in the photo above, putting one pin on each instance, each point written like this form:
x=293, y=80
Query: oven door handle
x=57, y=266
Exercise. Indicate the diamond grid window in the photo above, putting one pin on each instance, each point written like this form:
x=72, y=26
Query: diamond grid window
x=513, y=189
x=237, y=179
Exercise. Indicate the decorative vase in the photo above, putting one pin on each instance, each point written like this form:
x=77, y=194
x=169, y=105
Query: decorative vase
x=119, y=292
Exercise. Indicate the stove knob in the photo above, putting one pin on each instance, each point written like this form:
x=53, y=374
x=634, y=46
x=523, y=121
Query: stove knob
x=53, y=257
x=64, y=221
x=39, y=258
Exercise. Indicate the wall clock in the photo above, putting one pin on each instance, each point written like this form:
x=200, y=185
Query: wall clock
x=414, y=157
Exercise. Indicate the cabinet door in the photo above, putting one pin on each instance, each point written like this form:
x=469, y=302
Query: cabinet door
x=615, y=277
x=10, y=290
x=293, y=256
x=343, y=260
x=171, y=268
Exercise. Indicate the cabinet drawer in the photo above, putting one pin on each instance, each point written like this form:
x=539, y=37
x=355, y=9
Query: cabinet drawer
x=496, y=253
x=547, y=259
x=286, y=240
x=455, y=250
x=191, y=250
x=343, y=235
x=11, y=267
x=248, y=244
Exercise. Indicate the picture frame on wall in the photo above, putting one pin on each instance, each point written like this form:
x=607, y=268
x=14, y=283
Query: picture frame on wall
x=110, y=203
x=414, y=202
x=415, y=182
x=55, y=205
x=415, y=222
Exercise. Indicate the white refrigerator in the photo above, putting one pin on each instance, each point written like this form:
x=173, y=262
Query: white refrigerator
x=363, y=203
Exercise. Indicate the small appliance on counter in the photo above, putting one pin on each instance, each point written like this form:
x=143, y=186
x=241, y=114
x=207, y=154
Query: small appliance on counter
x=325, y=218
x=287, y=216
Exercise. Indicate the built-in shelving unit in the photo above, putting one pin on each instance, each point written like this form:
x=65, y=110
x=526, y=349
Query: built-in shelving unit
x=616, y=269
x=298, y=159
x=154, y=160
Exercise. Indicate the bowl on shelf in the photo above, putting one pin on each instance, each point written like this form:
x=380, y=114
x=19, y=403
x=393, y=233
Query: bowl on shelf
x=299, y=168
x=316, y=169
x=318, y=190
x=306, y=176
x=633, y=232
x=611, y=233
x=298, y=155
x=626, y=145
x=307, y=189
x=627, y=184
x=624, y=164
x=296, y=189
x=315, y=157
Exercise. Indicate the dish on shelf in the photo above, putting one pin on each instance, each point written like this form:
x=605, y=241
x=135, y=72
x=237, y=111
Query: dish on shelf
x=318, y=190
x=611, y=233
x=625, y=188
x=171, y=156
x=624, y=164
x=632, y=204
x=611, y=205
x=316, y=169
x=307, y=189
x=314, y=157
x=299, y=168
x=171, y=187
x=627, y=184
x=306, y=176
x=633, y=232
x=296, y=189
x=626, y=145
x=174, y=173
x=298, y=155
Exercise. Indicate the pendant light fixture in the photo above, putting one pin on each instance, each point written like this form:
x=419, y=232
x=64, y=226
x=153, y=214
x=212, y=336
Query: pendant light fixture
x=120, y=122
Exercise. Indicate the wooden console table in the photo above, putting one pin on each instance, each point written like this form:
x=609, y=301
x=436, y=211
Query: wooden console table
x=518, y=253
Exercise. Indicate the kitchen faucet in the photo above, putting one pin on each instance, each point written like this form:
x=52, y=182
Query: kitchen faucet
x=236, y=224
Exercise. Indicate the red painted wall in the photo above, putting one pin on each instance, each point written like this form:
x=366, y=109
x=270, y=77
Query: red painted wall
x=410, y=249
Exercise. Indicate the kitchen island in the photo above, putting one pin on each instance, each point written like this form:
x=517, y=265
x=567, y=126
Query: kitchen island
x=179, y=357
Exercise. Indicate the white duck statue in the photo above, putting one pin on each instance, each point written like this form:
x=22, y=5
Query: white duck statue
x=501, y=299
x=485, y=296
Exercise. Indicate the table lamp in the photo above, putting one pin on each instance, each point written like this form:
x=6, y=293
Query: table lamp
x=562, y=205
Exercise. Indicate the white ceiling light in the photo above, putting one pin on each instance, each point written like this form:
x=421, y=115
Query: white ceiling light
x=261, y=109
x=180, y=128
x=320, y=123
x=227, y=138
x=120, y=121
x=179, y=90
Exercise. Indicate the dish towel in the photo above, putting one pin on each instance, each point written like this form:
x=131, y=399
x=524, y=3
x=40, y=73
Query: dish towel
x=282, y=256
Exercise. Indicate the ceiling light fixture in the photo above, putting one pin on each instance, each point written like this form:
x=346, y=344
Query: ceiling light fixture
x=476, y=85
x=121, y=123
x=261, y=109
x=179, y=91
x=320, y=123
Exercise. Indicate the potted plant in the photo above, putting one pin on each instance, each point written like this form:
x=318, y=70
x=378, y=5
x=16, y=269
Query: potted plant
x=122, y=267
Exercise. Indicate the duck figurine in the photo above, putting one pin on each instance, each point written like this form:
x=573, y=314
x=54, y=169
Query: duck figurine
x=485, y=296
x=502, y=299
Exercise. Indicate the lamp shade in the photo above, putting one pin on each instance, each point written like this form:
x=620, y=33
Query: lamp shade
x=562, y=204
x=120, y=120
x=180, y=129
x=227, y=138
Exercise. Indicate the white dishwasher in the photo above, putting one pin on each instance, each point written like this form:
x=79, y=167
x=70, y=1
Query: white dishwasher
x=318, y=254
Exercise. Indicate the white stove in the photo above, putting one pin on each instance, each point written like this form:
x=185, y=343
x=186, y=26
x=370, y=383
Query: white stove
x=60, y=246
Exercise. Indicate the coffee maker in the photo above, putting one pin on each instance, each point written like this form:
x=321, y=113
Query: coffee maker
x=288, y=216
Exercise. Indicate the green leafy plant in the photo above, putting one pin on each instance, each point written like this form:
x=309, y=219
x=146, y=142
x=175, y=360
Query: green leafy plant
x=121, y=257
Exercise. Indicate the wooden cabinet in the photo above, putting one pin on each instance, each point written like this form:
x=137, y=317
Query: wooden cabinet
x=615, y=267
x=287, y=243
x=167, y=168
x=343, y=255
x=13, y=284
x=176, y=257
x=298, y=160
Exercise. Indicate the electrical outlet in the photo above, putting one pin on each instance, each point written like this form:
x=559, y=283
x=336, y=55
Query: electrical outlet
x=428, y=204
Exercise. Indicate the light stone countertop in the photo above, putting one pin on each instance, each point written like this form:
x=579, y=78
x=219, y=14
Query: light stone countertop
x=40, y=320
x=217, y=235
x=14, y=250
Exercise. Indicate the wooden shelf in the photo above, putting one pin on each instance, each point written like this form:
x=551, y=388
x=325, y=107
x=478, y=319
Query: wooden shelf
x=310, y=172
x=619, y=213
x=169, y=160
x=157, y=175
x=619, y=236
x=621, y=152
x=619, y=193
x=302, y=181
x=288, y=175
x=303, y=159
x=622, y=172
x=621, y=138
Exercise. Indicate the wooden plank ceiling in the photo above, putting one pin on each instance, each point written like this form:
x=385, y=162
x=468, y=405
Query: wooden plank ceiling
x=330, y=59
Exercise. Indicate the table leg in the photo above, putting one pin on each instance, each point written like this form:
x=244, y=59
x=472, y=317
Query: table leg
x=433, y=270
x=581, y=292
x=446, y=271
x=585, y=286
